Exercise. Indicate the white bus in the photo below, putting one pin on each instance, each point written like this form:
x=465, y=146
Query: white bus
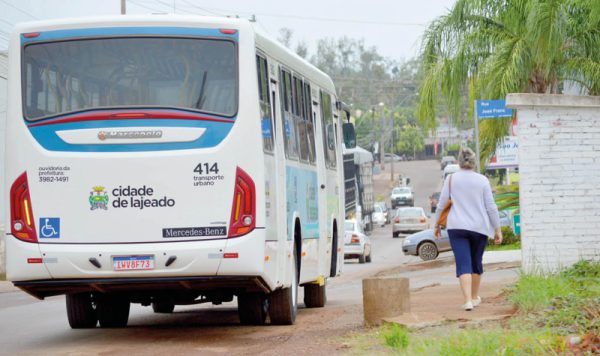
x=170, y=160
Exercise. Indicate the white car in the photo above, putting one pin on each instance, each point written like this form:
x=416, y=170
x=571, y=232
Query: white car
x=356, y=243
x=378, y=216
x=409, y=219
x=402, y=196
x=392, y=157
x=451, y=168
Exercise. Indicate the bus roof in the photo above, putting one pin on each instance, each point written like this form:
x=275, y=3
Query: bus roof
x=264, y=41
x=131, y=20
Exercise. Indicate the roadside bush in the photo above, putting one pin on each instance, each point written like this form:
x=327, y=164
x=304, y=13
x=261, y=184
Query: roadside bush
x=509, y=237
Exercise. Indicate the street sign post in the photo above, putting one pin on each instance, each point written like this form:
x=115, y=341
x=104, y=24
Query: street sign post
x=488, y=109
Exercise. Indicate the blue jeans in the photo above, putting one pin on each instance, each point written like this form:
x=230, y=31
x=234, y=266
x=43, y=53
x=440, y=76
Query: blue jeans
x=468, y=247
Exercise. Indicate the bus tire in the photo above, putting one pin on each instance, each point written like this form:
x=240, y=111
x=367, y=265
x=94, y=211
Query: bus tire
x=315, y=296
x=252, y=308
x=163, y=307
x=113, y=312
x=283, y=304
x=80, y=311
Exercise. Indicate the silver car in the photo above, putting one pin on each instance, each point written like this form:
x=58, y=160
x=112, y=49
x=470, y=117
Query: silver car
x=402, y=196
x=409, y=219
x=356, y=243
x=424, y=244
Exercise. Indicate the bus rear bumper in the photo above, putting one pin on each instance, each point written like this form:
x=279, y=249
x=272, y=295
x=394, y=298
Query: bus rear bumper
x=186, y=265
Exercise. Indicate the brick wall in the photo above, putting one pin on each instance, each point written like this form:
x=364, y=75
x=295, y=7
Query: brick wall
x=559, y=166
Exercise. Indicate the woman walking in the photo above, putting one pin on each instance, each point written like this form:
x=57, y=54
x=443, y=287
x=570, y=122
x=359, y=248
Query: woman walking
x=472, y=218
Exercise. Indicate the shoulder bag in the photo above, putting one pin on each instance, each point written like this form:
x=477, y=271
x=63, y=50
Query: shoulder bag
x=443, y=219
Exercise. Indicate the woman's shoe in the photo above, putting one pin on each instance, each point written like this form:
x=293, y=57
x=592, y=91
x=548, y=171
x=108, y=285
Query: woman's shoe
x=476, y=302
x=468, y=306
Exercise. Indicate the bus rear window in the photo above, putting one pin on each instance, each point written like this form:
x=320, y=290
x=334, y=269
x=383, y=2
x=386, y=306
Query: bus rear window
x=70, y=76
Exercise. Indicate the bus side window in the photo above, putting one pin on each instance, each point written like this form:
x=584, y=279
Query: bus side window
x=301, y=123
x=265, y=104
x=328, y=130
x=310, y=123
x=287, y=116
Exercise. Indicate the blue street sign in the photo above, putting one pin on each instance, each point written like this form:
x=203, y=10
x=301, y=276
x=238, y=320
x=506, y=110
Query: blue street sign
x=492, y=109
x=517, y=224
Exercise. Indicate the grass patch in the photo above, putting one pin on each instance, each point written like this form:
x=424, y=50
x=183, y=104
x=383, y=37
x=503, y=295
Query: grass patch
x=566, y=302
x=513, y=246
x=494, y=342
x=395, y=336
x=551, y=306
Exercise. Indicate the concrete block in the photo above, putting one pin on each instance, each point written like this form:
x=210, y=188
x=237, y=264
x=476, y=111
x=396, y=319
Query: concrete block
x=385, y=297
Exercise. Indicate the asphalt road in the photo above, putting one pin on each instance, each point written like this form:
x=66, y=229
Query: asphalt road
x=29, y=326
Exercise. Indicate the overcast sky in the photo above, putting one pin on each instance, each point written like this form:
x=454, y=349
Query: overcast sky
x=395, y=27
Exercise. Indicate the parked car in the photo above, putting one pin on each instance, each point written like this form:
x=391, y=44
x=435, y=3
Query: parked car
x=388, y=157
x=447, y=160
x=402, y=196
x=505, y=219
x=433, y=201
x=409, y=219
x=424, y=244
x=356, y=243
x=378, y=216
x=381, y=214
x=450, y=168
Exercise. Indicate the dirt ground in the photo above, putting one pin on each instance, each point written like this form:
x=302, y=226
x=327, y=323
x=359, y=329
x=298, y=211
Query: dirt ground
x=329, y=331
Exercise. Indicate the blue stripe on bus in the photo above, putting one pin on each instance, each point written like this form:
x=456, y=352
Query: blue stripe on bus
x=47, y=137
x=129, y=31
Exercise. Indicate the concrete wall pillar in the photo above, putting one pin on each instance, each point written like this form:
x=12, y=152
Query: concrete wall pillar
x=559, y=167
x=385, y=297
x=2, y=252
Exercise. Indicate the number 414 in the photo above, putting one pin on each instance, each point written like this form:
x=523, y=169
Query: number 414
x=203, y=168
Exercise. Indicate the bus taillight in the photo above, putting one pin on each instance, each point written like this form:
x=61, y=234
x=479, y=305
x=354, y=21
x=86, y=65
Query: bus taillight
x=243, y=210
x=21, y=213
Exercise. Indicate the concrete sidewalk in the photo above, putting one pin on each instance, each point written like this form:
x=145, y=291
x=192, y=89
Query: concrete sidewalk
x=441, y=300
x=502, y=256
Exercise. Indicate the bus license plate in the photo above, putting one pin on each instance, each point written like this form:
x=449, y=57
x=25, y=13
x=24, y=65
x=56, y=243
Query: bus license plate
x=133, y=263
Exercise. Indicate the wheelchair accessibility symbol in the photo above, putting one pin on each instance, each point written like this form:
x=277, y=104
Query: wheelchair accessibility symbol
x=50, y=228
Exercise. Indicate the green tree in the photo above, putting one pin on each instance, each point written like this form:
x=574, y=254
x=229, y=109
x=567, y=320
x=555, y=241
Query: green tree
x=489, y=48
x=410, y=140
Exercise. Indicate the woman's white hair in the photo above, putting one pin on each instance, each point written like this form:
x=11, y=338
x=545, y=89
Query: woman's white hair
x=466, y=158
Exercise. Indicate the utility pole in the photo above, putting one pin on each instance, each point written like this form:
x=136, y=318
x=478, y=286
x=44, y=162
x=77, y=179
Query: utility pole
x=382, y=144
x=392, y=150
x=123, y=7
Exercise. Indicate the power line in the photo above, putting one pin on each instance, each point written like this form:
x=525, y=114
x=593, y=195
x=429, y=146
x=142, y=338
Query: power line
x=307, y=18
x=144, y=6
x=325, y=19
x=167, y=5
x=201, y=8
x=185, y=9
x=20, y=10
x=6, y=22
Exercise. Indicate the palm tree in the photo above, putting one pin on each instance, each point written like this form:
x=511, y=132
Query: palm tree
x=485, y=49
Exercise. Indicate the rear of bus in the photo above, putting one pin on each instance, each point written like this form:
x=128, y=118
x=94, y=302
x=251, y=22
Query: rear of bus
x=133, y=163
